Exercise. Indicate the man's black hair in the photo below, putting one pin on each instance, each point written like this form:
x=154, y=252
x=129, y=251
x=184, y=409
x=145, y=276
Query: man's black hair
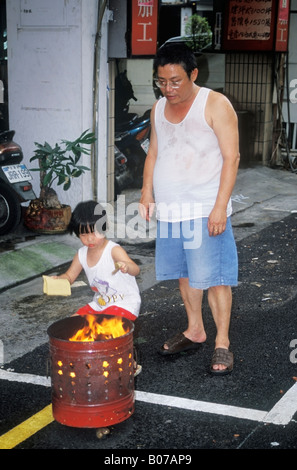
x=178, y=54
x=87, y=217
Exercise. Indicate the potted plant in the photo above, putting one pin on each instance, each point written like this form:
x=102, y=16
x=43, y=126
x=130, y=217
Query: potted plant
x=59, y=164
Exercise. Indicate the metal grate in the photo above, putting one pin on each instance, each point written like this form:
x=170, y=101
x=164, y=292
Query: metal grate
x=249, y=85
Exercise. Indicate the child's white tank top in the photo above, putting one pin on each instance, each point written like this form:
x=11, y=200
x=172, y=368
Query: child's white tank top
x=110, y=289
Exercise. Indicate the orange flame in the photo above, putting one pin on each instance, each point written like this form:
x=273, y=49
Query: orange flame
x=109, y=328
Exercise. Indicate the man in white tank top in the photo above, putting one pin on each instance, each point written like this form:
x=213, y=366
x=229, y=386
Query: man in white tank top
x=189, y=174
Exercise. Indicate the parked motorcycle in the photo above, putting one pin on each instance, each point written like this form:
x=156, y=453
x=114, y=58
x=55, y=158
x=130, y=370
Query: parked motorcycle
x=132, y=134
x=132, y=145
x=123, y=176
x=15, y=186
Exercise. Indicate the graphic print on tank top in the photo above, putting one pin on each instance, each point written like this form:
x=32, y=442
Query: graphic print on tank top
x=105, y=295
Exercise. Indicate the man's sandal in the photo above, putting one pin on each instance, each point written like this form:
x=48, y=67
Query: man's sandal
x=177, y=344
x=224, y=357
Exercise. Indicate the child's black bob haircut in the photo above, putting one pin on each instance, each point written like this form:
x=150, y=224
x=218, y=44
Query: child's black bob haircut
x=88, y=216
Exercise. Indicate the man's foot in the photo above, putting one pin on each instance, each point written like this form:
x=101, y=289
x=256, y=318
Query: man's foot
x=221, y=357
x=177, y=344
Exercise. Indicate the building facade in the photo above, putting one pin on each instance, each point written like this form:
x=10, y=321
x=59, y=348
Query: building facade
x=63, y=57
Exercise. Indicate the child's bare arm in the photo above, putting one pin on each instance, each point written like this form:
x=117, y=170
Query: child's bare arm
x=72, y=272
x=123, y=262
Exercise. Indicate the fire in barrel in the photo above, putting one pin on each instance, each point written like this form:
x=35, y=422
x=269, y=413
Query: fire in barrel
x=92, y=370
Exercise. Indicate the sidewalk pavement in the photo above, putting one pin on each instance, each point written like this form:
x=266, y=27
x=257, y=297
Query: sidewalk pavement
x=261, y=196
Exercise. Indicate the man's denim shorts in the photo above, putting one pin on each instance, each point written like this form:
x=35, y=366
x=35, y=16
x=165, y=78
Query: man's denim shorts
x=185, y=250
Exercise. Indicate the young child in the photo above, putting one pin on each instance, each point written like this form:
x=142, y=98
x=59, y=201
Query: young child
x=109, y=270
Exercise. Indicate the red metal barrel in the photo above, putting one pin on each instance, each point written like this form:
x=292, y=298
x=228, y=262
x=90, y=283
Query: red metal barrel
x=92, y=382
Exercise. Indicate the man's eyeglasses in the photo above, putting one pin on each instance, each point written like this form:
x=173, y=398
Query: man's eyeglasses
x=164, y=83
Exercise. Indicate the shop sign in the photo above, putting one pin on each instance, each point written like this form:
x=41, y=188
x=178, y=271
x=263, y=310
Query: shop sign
x=144, y=27
x=282, y=26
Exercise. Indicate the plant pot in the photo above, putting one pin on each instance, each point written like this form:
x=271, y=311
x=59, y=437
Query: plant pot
x=47, y=220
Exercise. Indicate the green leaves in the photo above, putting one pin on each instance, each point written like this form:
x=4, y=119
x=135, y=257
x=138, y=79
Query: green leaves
x=198, y=33
x=61, y=162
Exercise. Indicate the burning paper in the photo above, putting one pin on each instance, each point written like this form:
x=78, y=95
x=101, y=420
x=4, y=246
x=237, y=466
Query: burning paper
x=108, y=328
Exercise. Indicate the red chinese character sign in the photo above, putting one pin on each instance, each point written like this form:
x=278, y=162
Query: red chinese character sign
x=249, y=25
x=144, y=27
x=282, y=26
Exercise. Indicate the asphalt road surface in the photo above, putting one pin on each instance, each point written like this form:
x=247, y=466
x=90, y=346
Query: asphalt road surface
x=179, y=407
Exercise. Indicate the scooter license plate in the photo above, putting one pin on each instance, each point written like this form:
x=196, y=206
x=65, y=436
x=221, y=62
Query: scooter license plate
x=145, y=145
x=17, y=173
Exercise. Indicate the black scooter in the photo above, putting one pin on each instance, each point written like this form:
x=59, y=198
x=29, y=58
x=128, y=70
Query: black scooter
x=132, y=143
x=15, y=186
x=132, y=133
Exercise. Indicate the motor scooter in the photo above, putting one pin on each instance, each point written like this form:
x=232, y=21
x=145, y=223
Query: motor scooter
x=15, y=186
x=123, y=177
x=132, y=141
x=132, y=133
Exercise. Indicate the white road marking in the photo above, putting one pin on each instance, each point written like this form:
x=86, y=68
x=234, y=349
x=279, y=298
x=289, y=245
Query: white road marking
x=202, y=406
x=285, y=408
x=281, y=414
x=25, y=378
x=78, y=284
